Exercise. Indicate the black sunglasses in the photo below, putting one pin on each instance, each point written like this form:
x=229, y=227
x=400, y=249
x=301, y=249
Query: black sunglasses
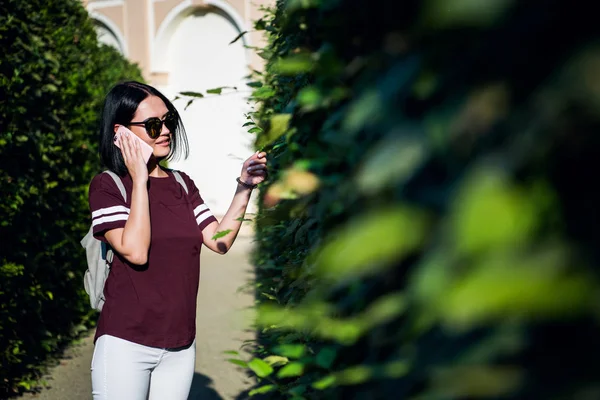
x=154, y=125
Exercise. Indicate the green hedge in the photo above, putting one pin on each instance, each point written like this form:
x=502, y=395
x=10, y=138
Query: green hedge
x=53, y=77
x=429, y=230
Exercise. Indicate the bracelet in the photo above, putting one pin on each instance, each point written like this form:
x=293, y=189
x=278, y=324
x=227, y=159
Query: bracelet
x=244, y=184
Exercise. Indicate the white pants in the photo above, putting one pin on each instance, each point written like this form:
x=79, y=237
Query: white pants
x=123, y=370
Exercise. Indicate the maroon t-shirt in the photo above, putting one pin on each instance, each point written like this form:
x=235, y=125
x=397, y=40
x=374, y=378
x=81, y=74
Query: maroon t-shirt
x=154, y=304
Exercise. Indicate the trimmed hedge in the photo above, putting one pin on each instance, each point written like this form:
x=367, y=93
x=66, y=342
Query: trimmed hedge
x=53, y=79
x=429, y=230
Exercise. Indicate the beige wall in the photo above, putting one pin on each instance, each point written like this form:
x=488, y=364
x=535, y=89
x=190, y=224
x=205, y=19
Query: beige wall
x=138, y=22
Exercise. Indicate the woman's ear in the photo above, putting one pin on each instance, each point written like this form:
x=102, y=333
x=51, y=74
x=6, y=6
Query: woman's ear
x=116, y=127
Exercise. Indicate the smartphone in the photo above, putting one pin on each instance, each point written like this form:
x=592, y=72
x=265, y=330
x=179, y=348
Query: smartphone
x=146, y=148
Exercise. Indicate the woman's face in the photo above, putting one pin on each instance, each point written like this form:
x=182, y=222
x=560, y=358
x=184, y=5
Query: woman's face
x=153, y=106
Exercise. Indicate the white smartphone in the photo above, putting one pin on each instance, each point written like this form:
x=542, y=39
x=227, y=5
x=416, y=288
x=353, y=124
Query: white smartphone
x=146, y=148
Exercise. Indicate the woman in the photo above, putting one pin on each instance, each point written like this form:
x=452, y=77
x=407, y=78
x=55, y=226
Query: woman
x=144, y=344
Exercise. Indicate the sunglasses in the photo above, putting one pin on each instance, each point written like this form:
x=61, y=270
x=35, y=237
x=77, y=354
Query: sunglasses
x=154, y=125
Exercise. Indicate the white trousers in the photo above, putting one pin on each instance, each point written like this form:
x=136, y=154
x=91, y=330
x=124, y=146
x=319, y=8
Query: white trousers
x=123, y=370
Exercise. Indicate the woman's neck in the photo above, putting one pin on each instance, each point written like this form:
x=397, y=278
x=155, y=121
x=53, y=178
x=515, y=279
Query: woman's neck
x=154, y=170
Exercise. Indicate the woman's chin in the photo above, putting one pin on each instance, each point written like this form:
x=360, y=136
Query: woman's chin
x=162, y=152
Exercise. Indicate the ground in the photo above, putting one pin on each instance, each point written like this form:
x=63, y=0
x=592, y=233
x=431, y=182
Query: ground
x=223, y=323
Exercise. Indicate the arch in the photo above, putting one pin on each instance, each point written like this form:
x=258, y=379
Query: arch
x=176, y=15
x=112, y=28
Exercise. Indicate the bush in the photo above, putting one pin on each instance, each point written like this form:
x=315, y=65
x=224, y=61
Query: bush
x=53, y=77
x=429, y=230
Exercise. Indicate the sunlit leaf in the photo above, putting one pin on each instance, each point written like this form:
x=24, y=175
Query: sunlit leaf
x=221, y=234
x=263, y=93
x=276, y=361
x=262, y=389
x=489, y=212
x=324, y=383
x=354, y=375
x=291, y=370
x=370, y=242
x=290, y=350
x=293, y=65
x=260, y=368
x=309, y=96
x=506, y=285
x=240, y=363
x=278, y=126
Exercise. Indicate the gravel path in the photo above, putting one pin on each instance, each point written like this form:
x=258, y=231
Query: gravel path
x=223, y=324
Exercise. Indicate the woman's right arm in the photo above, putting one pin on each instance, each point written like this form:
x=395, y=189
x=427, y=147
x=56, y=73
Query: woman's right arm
x=133, y=241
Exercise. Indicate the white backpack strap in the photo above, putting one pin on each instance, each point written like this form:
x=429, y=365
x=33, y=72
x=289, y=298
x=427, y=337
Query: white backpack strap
x=179, y=179
x=119, y=183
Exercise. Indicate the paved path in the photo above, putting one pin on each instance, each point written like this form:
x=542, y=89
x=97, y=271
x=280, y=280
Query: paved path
x=223, y=324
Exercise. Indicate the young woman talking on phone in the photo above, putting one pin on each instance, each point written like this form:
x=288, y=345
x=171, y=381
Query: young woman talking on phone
x=144, y=344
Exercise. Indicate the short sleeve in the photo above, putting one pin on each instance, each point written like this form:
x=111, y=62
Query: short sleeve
x=202, y=213
x=109, y=209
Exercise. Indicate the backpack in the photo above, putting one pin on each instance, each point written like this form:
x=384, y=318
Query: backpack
x=100, y=255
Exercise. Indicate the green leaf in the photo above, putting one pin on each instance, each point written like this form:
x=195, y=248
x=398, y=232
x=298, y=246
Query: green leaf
x=276, y=361
x=489, y=212
x=371, y=242
x=260, y=368
x=221, y=234
x=291, y=370
x=262, y=389
x=324, y=383
x=390, y=162
x=354, y=375
x=238, y=37
x=256, y=129
x=191, y=94
x=364, y=111
x=215, y=91
x=231, y=352
x=255, y=84
x=241, y=363
x=278, y=126
x=263, y=93
x=326, y=357
x=294, y=65
x=471, y=13
x=290, y=350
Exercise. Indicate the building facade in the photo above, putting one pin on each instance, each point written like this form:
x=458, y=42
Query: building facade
x=185, y=45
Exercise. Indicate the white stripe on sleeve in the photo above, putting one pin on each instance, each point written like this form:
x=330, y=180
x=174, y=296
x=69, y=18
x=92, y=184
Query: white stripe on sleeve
x=201, y=218
x=110, y=210
x=200, y=208
x=110, y=218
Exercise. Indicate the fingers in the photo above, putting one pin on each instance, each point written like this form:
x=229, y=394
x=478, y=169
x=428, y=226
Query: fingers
x=260, y=169
x=130, y=148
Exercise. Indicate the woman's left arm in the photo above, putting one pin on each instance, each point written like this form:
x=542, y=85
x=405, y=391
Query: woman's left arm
x=254, y=171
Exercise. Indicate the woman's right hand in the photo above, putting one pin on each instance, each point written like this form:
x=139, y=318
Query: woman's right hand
x=134, y=161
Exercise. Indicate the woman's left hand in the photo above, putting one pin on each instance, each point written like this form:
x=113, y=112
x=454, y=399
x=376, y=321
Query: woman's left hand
x=254, y=170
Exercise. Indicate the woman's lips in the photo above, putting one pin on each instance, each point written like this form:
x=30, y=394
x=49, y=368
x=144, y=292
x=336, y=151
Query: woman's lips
x=163, y=143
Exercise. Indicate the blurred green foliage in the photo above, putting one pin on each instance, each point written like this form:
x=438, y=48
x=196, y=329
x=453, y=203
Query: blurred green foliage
x=53, y=79
x=430, y=226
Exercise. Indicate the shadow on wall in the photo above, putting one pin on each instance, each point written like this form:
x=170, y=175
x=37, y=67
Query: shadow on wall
x=202, y=389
